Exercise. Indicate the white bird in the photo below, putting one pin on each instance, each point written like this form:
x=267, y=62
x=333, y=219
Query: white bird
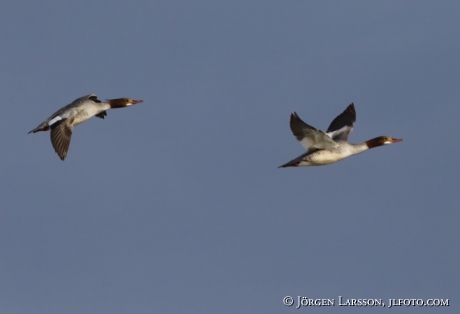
x=62, y=121
x=325, y=148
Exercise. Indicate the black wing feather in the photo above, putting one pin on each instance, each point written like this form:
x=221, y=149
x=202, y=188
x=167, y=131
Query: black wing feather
x=102, y=114
x=346, y=118
x=94, y=98
x=299, y=128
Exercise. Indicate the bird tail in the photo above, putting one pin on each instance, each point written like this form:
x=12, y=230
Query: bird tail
x=42, y=127
x=289, y=164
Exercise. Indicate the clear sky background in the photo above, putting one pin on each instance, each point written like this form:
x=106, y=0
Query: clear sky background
x=176, y=205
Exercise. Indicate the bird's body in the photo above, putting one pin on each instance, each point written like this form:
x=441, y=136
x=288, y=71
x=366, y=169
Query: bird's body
x=324, y=148
x=321, y=157
x=61, y=122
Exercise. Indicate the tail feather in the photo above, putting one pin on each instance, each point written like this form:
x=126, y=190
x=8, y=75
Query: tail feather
x=294, y=162
x=289, y=164
x=42, y=127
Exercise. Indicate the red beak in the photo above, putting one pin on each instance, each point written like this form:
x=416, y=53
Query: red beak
x=395, y=140
x=137, y=101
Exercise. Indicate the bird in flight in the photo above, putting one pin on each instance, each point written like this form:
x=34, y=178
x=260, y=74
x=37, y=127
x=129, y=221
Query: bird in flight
x=325, y=148
x=61, y=122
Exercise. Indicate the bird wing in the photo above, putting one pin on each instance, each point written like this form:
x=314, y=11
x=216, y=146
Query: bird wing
x=310, y=137
x=61, y=133
x=101, y=114
x=342, y=125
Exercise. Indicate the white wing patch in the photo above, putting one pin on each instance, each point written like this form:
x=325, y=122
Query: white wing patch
x=54, y=120
x=319, y=140
x=340, y=134
x=331, y=134
x=307, y=143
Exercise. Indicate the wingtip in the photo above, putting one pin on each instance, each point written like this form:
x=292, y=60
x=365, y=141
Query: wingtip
x=295, y=116
x=61, y=155
x=352, y=108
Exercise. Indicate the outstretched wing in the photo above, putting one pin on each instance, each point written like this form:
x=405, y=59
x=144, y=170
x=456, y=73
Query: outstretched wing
x=61, y=133
x=308, y=136
x=342, y=125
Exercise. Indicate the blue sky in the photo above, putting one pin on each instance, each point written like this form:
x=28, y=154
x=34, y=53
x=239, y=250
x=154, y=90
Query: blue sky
x=177, y=204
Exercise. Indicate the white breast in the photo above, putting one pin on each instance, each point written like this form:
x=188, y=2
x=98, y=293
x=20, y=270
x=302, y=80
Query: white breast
x=88, y=110
x=329, y=156
x=326, y=157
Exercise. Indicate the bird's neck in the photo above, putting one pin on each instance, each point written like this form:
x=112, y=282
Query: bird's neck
x=358, y=148
x=117, y=103
x=375, y=142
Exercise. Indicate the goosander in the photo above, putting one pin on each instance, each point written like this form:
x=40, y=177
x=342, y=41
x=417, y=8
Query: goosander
x=325, y=148
x=62, y=121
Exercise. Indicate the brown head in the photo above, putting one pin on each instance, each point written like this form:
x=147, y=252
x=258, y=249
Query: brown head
x=123, y=102
x=382, y=140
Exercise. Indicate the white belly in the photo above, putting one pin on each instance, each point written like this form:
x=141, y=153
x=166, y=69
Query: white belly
x=326, y=159
x=83, y=113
